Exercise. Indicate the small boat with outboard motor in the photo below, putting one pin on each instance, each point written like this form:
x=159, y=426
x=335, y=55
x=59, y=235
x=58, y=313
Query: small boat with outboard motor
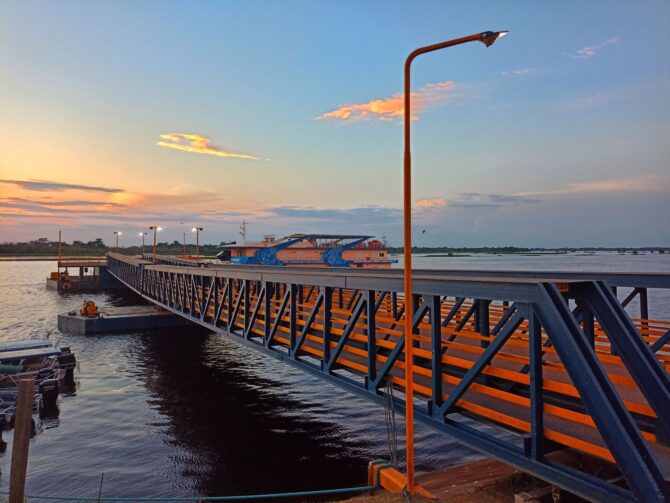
x=41, y=359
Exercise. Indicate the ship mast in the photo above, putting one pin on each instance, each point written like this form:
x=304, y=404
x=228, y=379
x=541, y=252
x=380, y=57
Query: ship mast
x=243, y=231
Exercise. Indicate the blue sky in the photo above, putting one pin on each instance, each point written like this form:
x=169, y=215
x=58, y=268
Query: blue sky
x=554, y=136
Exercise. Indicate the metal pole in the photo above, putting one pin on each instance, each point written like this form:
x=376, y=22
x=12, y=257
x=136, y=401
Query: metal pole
x=197, y=244
x=407, y=281
x=22, y=431
x=59, y=251
x=143, y=234
x=184, y=241
x=488, y=38
x=155, y=231
x=644, y=309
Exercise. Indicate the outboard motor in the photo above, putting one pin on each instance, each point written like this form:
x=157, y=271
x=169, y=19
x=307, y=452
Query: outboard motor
x=49, y=389
x=68, y=362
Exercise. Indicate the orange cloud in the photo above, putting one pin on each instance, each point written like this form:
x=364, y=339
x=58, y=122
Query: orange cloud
x=438, y=202
x=44, y=185
x=198, y=145
x=392, y=108
x=52, y=198
x=640, y=183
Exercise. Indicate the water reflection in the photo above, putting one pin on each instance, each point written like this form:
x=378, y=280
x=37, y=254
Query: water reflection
x=245, y=433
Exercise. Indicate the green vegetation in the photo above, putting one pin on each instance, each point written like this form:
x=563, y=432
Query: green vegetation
x=44, y=248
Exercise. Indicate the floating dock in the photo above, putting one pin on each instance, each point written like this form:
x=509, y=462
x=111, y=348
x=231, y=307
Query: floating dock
x=91, y=275
x=119, y=319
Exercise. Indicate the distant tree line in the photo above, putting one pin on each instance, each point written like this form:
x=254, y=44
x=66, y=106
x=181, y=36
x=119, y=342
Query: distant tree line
x=459, y=250
x=499, y=250
x=97, y=247
x=43, y=247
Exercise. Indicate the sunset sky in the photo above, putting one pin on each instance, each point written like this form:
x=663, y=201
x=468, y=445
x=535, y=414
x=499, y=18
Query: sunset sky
x=117, y=115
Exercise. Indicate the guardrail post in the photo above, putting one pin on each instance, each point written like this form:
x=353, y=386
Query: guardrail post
x=536, y=396
x=327, y=321
x=644, y=307
x=482, y=319
x=301, y=297
x=292, y=317
x=247, y=308
x=372, y=336
x=588, y=323
x=436, y=350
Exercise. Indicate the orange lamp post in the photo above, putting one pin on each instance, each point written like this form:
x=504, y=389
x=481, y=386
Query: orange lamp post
x=488, y=38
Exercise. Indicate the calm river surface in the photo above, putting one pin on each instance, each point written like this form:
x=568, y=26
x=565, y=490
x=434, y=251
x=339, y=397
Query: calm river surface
x=186, y=412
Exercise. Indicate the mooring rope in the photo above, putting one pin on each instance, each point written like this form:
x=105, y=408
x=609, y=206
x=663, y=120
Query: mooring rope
x=391, y=429
x=206, y=498
x=296, y=494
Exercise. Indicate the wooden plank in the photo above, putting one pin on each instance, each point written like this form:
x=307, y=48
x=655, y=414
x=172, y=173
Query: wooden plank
x=22, y=431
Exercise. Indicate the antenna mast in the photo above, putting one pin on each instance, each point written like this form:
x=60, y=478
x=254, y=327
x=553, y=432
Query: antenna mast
x=243, y=231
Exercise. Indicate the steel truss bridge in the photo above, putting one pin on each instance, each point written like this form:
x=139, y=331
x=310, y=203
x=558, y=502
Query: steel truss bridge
x=553, y=358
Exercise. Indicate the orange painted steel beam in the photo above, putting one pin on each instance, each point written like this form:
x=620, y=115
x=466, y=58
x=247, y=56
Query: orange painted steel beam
x=486, y=398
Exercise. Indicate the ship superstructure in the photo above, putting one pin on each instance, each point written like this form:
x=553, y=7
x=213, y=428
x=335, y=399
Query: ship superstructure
x=310, y=250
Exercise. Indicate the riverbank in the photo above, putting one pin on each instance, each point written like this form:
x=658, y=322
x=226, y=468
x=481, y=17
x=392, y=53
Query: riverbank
x=45, y=258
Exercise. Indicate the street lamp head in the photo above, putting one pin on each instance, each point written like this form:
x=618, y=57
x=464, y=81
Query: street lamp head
x=159, y=229
x=193, y=229
x=489, y=37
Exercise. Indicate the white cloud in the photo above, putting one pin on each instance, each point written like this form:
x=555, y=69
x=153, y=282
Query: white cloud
x=588, y=51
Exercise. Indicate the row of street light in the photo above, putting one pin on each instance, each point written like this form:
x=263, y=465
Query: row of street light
x=156, y=229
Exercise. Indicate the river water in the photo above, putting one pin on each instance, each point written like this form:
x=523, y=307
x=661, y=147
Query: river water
x=187, y=412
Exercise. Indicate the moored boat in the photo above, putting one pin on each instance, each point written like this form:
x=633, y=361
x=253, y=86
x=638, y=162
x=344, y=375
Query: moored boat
x=310, y=250
x=45, y=362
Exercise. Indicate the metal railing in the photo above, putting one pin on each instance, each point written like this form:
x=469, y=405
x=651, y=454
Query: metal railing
x=82, y=261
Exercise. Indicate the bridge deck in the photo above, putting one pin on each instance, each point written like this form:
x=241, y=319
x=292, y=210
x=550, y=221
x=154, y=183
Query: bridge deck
x=478, y=338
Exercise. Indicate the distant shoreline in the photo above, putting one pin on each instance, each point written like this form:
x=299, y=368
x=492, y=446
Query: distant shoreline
x=28, y=258
x=44, y=251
